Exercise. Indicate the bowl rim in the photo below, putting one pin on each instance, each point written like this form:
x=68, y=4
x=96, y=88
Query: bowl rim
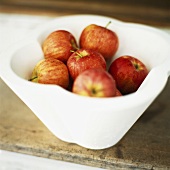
x=140, y=96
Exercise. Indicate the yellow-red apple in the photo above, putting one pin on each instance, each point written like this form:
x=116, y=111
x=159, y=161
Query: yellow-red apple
x=100, y=39
x=51, y=71
x=59, y=45
x=95, y=83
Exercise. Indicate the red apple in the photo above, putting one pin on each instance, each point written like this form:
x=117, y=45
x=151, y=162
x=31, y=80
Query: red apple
x=100, y=39
x=95, y=83
x=128, y=72
x=59, y=45
x=51, y=71
x=84, y=59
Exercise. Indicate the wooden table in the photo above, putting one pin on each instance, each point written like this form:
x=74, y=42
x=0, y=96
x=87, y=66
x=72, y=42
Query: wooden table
x=152, y=12
x=145, y=146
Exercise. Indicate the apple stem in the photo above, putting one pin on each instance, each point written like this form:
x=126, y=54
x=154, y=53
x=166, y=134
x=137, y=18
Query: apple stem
x=108, y=24
x=77, y=53
x=32, y=78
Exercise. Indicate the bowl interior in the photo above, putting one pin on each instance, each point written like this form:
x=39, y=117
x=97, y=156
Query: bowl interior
x=139, y=41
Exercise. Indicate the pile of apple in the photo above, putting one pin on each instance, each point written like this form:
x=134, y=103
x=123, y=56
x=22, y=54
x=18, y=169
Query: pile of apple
x=82, y=68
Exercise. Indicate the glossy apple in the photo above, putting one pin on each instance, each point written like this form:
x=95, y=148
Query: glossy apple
x=128, y=72
x=59, y=45
x=51, y=71
x=84, y=59
x=100, y=39
x=95, y=83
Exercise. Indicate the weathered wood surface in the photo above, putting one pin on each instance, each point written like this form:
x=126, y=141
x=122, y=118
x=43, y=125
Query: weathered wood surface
x=146, y=145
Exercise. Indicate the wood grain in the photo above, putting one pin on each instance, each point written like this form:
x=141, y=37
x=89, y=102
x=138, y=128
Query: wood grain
x=145, y=146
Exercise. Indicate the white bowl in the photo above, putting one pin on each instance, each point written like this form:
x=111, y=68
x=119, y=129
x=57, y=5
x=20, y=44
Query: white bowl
x=93, y=123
